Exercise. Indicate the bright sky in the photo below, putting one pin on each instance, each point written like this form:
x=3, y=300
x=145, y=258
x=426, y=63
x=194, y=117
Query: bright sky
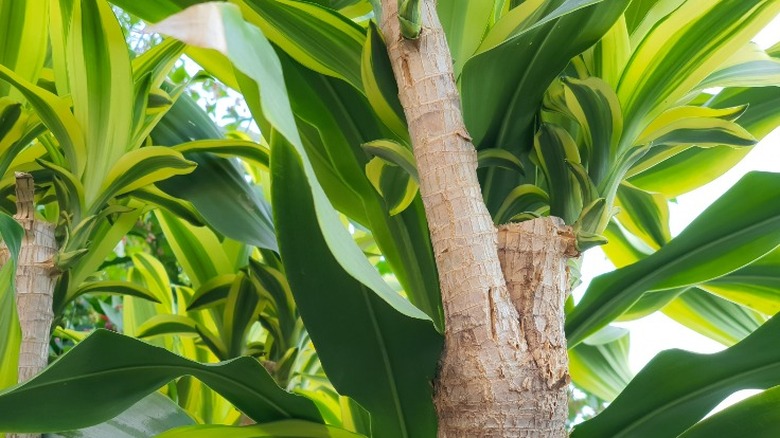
x=657, y=332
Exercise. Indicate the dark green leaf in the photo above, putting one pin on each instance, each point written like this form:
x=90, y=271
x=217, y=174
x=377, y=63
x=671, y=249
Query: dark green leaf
x=127, y=371
x=741, y=226
x=755, y=417
x=692, y=384
x=279, y=429
x=380, y=357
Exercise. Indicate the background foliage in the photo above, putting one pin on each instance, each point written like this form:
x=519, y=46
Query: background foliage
x=242, y=240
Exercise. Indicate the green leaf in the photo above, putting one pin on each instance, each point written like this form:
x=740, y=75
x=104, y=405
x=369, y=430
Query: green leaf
x=394, y=153
x=524, y=198
x=217, y=187
x=113, y=288
x=317, y=37
x=23, y=40
x=288, y=428
x=601, y=368
x=380, y=86
x=714, y=317
x=387, y=375
x=155, y=277
x=140, y=168
x=554, y=147
x=673, y=177
x=693, y=384
x=396, y=185
x=741, y=226
x=157, y=61
x=153, y=415
x=699, y=131
x=249, y=150
x=55, y=114
x=681, y=50
x=343, y=121
x=756, y=417
x=10, y=332
x=95, y=62
x=242, y=308
x=212, y=292
x=410, y=17
x=607, y=58
x=179, y=207
x=756, y=286
x=465, y=23
x=594, y=104
x=644, y=214
x=197, y=249
x=264, y=67
x=129, y=370
x=167, y=325
x=748, y=67
x=492, y=157
x=73, y=189
x=540, y=50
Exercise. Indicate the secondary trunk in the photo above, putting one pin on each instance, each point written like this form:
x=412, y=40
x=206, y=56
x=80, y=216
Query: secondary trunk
x=35, y=278
x=503, y=371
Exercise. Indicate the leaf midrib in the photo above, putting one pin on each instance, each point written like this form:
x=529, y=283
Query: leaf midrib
x=667, y=406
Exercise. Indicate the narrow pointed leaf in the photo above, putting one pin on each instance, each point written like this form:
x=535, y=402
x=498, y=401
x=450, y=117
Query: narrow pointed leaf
x=113, y=288
x=756, y=286
x=379, y=82
x=279, y=429
x=749, y=67
x=601, y=369
x=524, y=198
x=167, y=325
x=55, y=114
x=10, y=332
x=673, y=177
x=692, y=387
x=197, y=249
x=595, y=106
x=540, y=50
x=644, y=214
x=153, y=415
x=142, y=167
x=493, y=157
x=394, y=153
x=181, y=208
x=682, y=50
x=714, y=317
x=100, y=83
x=249, y=150
x=212, y=292
x=698, y=131
x=756, y=417
x=740, y=227
x=388, y=375
x=128, y=371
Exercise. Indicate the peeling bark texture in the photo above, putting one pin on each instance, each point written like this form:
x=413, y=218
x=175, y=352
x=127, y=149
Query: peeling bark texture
x=490, y=383
x=533, y=258
x=35, y=278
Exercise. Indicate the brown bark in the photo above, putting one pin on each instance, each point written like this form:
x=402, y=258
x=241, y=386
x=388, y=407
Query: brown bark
x=502, y=373
x=35, y=278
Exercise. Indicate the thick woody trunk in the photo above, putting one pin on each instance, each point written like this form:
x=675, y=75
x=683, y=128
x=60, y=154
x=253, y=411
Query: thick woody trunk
x=35, y=278
x=503, y=371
